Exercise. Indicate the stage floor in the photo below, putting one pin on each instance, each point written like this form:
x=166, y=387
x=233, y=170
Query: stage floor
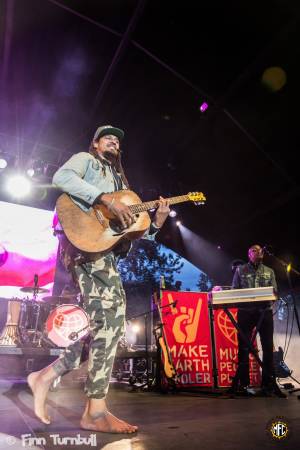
x=166, y=421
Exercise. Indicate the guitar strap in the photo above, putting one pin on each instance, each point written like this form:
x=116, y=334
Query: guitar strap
x=117, y=179
x=118, y=183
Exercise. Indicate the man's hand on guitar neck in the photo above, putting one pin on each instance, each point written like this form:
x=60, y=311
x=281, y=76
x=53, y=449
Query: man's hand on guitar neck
x=162, y=212
x=118, y=209
x=125, y=216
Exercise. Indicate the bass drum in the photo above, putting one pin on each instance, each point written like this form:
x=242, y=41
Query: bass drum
x=66, y=324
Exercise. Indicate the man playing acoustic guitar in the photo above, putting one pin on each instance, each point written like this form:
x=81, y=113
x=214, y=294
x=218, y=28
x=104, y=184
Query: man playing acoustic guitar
x=91, y=179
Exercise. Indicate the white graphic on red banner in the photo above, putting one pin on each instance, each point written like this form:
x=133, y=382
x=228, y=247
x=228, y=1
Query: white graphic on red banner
x=226, y=343
x=187, y=332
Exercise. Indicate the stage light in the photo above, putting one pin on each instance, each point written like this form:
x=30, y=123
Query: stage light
x=36, y=168
x=203, y=107
x=274, y=78
x=41, y=170
x=3, y=163
x=178, y=223
x=7, y=159
x=172, y=213
x=18, y=186
x=136, y=328
x=30, y=172
x=205, y=255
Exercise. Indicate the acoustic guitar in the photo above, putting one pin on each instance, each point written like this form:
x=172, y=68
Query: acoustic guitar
x=97, y=230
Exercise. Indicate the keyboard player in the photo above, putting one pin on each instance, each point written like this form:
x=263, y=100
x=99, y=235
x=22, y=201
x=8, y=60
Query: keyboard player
x=255, y=274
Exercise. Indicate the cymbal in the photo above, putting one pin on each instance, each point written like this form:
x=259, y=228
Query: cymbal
x=33, y=289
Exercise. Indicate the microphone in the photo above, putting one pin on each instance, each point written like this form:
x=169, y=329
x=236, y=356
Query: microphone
x=35, y=287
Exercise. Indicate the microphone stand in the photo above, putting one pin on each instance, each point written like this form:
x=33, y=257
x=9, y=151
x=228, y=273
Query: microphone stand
x=288, y=269
x=35, y=339
x=145, y=314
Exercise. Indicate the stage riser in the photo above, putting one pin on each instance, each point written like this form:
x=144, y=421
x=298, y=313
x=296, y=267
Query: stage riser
x=13, y=366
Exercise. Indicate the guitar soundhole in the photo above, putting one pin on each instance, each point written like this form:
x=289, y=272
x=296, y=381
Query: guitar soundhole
x=116, y=226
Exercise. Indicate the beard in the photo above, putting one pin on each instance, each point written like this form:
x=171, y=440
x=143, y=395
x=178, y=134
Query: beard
x=110, y=156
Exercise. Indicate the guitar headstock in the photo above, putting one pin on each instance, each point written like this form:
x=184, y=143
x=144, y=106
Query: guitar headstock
x=197, y=197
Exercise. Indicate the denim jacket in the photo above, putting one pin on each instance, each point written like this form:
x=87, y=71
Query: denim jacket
x=85, y=177
x=247, y=276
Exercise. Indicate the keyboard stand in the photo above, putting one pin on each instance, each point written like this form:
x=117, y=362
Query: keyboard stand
x=235, y=382
x=248, y=342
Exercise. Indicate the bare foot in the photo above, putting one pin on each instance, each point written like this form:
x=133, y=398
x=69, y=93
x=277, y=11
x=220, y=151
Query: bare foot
x=107, y=423
x=39, y=389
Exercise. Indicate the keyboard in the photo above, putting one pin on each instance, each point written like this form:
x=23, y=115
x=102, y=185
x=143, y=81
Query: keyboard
x=239, y=297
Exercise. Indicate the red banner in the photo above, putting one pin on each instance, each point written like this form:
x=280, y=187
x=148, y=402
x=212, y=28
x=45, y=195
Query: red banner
x=187, y=330
x=226, y=344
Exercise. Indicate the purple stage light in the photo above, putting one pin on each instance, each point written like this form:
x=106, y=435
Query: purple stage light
x=203, y=107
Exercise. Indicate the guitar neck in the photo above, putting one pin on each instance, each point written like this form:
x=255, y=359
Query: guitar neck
x=140, y=207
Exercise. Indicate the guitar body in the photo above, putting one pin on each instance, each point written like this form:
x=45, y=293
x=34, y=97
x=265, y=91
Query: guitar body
x=169, y=369
x=168, y=366
x=96, y=230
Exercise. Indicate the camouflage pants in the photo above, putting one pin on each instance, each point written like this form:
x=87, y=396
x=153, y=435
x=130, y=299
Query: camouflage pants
x=104, y=302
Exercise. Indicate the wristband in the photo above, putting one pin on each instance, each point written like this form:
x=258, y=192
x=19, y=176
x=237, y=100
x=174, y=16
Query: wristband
x=155, y=226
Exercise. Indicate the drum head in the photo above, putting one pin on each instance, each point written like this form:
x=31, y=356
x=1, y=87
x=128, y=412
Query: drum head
x=66, y=324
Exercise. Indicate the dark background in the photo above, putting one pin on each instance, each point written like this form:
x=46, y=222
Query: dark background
x=146, y=66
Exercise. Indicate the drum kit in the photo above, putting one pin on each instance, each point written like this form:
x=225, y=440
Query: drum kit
x=50, y=321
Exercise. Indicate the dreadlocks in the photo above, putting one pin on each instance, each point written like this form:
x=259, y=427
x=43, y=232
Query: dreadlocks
x=117, y=163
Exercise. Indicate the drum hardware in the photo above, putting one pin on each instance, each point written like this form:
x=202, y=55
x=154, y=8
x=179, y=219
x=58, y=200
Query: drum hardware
x=74, y=336
x=34, y=290
x=37, y=322
x=66, y=324
x=11, y=333
x=33, y=315
x=36, y=338
x=51, y=320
